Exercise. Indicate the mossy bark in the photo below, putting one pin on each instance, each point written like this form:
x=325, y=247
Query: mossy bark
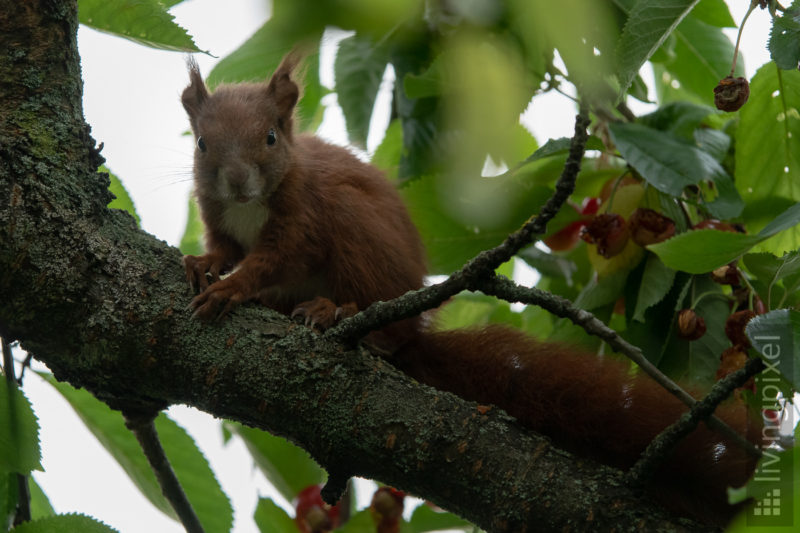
x=103, y=304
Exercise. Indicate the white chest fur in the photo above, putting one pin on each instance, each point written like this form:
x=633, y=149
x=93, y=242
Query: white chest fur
x=244, y=222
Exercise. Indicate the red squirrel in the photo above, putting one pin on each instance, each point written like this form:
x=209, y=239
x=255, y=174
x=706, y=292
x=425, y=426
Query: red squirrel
x=306, y=227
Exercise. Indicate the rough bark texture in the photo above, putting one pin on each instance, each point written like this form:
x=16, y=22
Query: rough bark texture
x=103, y=305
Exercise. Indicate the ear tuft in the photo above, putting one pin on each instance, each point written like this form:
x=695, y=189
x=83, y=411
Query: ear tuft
x=195, y=95
x=282, y=88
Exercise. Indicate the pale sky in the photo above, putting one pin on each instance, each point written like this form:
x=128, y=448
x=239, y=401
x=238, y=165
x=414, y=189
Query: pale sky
x=131, y=100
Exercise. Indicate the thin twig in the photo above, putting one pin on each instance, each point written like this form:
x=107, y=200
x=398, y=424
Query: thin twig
x=23, y=511
x=660, y=447
x=381, y=314
x=143, y=427
x=507, y=290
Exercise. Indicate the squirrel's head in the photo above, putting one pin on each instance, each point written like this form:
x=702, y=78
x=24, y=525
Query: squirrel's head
x=243, y=132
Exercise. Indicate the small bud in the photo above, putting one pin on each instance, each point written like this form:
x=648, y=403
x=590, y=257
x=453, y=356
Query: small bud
x=386, y=509
x=649, y=227
x=726, y=275
x=691, y=326
x=734, y=327
x=731, y=93
x=312, y=515
x=317, y=520
x=759, y=306
x=609, y=232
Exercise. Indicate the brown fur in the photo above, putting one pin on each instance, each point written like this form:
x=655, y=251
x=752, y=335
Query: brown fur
x=332, y=226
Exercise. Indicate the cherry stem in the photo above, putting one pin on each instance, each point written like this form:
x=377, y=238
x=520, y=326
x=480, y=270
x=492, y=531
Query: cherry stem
x=753, y=5
x=710, y=294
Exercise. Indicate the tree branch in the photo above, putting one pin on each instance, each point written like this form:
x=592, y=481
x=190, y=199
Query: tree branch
x=144, y=429
x=658, y=450
x=104, y=306
x=561, y=307
x=381, y=314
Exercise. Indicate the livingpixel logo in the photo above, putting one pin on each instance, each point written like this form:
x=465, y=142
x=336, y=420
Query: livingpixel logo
x=774, y=482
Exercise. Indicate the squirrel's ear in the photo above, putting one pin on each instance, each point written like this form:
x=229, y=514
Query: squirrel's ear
x=195, y=95
x=281, y=89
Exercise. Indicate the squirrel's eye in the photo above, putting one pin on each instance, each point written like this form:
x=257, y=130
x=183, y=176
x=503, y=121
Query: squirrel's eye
x=201, y=144
x=271, y=137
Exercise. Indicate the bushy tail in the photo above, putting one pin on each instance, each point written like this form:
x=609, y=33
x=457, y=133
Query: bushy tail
x=593, y=406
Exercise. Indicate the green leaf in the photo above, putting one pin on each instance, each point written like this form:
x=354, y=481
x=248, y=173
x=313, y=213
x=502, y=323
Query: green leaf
x=428, y=83
x=358, y=71
x=560, y=146
x=192, y=240
x=728, y=204
x=702, y=56
x=599, y=293
x=191, y=468
x=679, y=118
x=290, y=469
x=552, y=265
x=638, y=90
x=65, y=523
x=19, y=432
x=788, y=219
x=195, y=475
x=768, y=150
x=769, y=268
x=40, y=503
x=776, y=337
x=426, y=519
x=657, y=281
x=270, y=518
x=664, y=161
x=146, y=22
x=669, y=164
x=123, y=200
x=700, y=251
x=715, y=13
x=420, y=117
x=260, y=55
x=649, y=24
x=9, y=497
x=714, y=142
x=455, y=227
x=470, y=309
x=360, y=522
x=387, y=154
x=519, y=145
x=784, y=39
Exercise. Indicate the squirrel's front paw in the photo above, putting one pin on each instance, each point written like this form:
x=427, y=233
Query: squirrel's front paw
x=197, y=266
x=217, y=300
x=323, y=313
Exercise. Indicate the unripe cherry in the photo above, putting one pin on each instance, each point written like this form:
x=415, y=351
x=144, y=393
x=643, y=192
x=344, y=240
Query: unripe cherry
x=691, y=326
x=647, y=226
